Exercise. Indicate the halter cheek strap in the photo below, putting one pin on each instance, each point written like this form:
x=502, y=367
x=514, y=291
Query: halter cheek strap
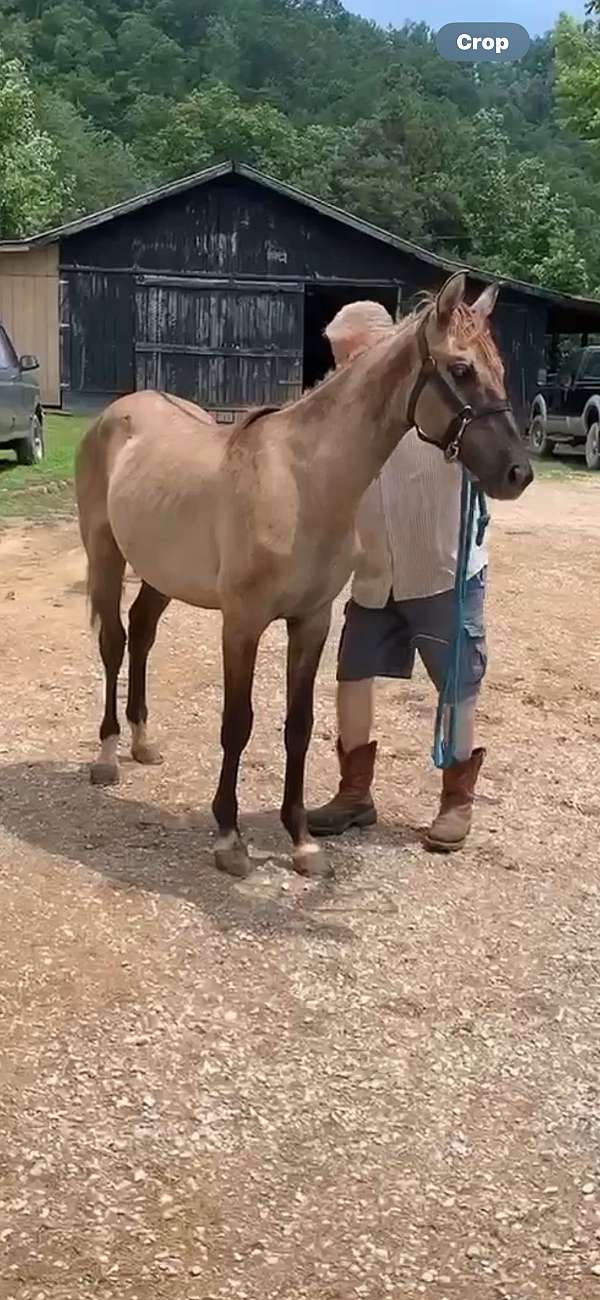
x=451, y=441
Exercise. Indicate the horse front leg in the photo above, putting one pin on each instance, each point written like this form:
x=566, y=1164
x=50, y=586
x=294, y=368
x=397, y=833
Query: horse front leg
x=306, y=638
x=240, y=645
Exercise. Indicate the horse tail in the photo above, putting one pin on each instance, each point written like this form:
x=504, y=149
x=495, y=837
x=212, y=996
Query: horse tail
x=105, y=563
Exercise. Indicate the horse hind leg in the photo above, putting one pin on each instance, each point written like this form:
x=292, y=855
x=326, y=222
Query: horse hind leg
x=240, y=644
x=106, y=570
x=306, y=639
x=144, y=616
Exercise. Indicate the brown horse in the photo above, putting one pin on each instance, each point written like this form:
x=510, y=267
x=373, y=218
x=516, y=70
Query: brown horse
x=259, y=521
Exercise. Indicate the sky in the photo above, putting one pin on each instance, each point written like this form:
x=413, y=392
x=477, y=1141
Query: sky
x=537, y=16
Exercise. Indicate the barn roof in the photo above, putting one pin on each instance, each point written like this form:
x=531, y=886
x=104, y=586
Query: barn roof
x=139, y=201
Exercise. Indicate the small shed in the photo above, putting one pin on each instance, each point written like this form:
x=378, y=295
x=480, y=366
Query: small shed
x=218, y=287
x=29, y=306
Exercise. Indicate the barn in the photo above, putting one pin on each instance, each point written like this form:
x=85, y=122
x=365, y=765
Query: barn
x=218, y=287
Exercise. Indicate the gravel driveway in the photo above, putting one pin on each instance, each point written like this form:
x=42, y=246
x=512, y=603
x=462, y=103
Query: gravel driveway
x=383, y=1086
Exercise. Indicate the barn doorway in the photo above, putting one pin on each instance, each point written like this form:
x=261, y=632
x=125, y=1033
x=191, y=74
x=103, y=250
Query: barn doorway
x=321, y=302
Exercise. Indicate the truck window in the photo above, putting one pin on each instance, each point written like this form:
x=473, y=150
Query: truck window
x=8, y=356
x=569, y=368
x=592, y=365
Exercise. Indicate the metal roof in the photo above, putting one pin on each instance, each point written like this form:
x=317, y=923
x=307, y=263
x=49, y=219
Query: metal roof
x=140, y=201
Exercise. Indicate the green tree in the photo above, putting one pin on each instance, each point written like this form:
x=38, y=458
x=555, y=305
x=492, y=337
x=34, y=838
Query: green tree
x=154, y=58
x=136, y=91
x=212, y=124
x=578, y=76
x=30, y=193
x=518, y=226
x=93, y=166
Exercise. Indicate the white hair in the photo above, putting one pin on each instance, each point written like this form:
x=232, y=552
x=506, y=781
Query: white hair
x=357, y=326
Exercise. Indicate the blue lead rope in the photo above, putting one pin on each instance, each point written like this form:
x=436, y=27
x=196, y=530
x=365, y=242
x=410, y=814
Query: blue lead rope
x=444, y=739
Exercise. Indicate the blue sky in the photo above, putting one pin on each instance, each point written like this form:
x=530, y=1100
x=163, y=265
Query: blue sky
x=536, y=15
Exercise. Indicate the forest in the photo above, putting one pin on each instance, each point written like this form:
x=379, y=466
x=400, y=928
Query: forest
x=494, y=165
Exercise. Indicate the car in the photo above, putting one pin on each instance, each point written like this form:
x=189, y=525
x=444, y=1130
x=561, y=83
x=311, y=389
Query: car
x=566, y=408
x=21, y=414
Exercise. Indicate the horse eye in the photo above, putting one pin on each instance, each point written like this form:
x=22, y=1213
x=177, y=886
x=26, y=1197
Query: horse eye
x=460, y=370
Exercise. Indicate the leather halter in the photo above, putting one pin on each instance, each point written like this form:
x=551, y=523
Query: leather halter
x=451, y=442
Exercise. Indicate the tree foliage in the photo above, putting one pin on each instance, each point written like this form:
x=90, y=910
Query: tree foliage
x=30, y=192
x=496, y=165
x=578, y=68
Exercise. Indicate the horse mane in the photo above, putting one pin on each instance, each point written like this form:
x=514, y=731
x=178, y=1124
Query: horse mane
x=248, y=418
x=471, y=331
x=202, y=418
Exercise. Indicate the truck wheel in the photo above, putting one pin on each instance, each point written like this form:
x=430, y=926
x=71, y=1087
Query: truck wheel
x=538, y=438
x=30, y=450
x=592, y=447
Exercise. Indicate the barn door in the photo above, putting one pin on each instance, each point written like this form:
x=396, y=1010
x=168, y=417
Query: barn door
x=224, y=344
x=97, y=313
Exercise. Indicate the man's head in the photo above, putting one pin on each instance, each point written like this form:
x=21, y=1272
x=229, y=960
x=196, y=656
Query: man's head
x=356, y=327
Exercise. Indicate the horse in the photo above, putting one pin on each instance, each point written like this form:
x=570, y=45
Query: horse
x=258, y=522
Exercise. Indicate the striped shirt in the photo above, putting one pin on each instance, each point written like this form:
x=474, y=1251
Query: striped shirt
x=408, y=526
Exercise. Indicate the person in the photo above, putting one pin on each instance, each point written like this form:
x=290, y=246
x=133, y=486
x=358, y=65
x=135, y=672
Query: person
x=402, y=601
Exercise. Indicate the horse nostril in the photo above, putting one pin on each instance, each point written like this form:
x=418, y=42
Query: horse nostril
x=519, y=475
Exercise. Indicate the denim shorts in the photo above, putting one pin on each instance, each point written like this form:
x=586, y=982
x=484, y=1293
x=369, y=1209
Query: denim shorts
x=384, y=642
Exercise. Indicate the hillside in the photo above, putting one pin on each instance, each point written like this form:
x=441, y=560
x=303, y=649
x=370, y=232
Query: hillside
x=472, y=162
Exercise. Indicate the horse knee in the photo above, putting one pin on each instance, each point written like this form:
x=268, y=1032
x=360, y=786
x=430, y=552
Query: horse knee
x=144, y=616
x=142, y=633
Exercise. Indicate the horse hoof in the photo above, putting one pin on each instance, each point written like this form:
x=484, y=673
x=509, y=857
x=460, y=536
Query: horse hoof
x=234, y=861
x=311, y=862
x=147, y=755
x=105, y=774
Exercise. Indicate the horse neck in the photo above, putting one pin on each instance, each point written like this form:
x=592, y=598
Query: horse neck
x=352, y=422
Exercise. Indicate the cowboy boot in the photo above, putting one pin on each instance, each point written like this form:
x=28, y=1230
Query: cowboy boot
x=352, y=805
x=453, y=822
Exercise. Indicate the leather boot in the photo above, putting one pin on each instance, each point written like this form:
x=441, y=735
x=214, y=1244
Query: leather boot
x=453, y=822
x=352, y=805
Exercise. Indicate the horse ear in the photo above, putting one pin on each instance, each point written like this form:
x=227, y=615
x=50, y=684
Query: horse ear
x=485, y=303
x=449, y=298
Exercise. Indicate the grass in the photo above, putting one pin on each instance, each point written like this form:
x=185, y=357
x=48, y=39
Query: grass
x=46, y=490
x=567, y=465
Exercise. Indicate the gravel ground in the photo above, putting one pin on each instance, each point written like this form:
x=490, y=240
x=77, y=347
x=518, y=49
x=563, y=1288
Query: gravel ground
x=382, y=1086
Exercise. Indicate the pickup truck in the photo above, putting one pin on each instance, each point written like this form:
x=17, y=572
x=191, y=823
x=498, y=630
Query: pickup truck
x=21, y=415
x=566, y=407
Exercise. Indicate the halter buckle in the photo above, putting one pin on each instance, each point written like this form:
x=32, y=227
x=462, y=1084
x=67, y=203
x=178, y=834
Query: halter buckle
x=452, y=451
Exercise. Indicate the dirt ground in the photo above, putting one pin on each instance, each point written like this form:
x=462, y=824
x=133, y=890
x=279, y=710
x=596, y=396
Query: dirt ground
x=387, y=1085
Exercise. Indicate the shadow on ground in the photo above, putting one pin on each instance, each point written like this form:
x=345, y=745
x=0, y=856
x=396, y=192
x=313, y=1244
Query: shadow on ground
x=138, y=845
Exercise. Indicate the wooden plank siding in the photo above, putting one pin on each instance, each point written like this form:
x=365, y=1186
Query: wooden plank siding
x=193, y=294
x=216, y=278
x=100, y=339
x=235, y=227
x=221, y=345
x=29, y=297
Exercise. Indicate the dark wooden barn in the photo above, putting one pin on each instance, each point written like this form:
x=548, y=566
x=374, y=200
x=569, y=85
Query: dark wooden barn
x=218, y=287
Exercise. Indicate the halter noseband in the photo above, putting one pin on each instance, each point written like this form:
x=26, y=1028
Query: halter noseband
x=451, y=442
